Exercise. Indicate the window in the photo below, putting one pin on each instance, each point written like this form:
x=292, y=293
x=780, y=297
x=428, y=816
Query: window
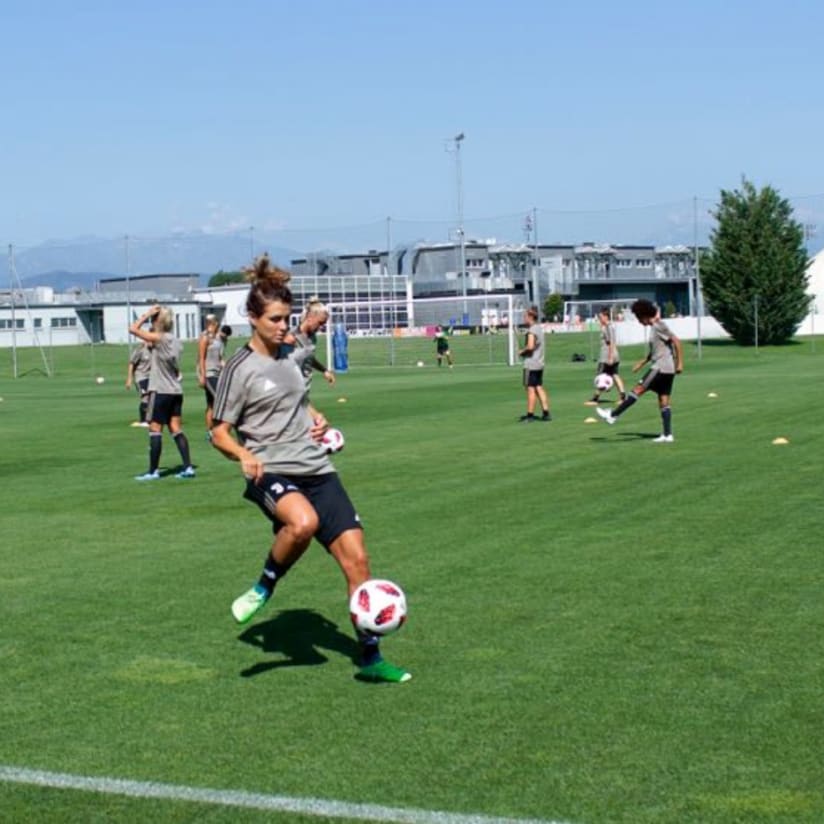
x=38, y=323
x=643, y=263
x=63, y=323
x=6, y=323
x=623, y=263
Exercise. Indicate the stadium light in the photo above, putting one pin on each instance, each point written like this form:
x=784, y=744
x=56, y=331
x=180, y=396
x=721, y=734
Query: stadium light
x=457, y=141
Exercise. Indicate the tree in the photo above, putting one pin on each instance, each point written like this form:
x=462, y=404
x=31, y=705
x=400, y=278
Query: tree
x=223, y=278
x=756, y=267
x=553, y=306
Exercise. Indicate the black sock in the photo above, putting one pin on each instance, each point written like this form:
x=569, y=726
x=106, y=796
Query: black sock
x=546, y=416
x=183, y=447
x=624, y=405
x=155, y=448
x=369, y=651
x=666, y=418
x=141, y=412
x=272, y=573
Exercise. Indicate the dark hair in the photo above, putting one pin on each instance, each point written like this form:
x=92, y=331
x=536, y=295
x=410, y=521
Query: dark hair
x=226, y=330
x=533, y=312
x=268, y=284
x=644, y=309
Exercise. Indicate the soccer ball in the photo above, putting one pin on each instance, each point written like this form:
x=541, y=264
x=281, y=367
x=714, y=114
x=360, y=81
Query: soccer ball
x=603, y=382
x=378, y=607
x=420, y=363
x=332, y=441
x=100, y=379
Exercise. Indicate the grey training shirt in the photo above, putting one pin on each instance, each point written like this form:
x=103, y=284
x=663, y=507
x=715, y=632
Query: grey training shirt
x=265, y=399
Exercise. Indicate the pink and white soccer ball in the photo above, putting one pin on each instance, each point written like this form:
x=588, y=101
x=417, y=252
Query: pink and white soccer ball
x=378, y=607
x=332, y=441
x=603, y=382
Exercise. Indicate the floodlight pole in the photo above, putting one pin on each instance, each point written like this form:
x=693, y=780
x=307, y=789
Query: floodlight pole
x=536, y=277
x=128, y=293
x=13, y=321
x=699, y=299
x=458, y=140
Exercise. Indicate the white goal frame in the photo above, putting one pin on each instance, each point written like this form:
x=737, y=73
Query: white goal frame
x=418, y=313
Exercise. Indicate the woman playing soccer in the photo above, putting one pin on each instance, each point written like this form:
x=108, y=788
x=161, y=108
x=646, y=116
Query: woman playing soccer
x=165, y=405
x=140, y=367
x=210, y=349
x=609, y=361
x=314, y=318
x=665, y=360
x=262, y=395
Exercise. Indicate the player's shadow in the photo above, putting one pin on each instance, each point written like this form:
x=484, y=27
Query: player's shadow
x=623, y=435
x=296, y=637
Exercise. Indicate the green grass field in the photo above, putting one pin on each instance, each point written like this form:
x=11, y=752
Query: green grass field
x=601, y=629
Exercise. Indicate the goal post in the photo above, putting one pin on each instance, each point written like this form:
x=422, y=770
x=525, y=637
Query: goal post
x=481, y=329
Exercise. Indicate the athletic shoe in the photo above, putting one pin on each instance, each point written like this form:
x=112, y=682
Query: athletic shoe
x=606, y=414
x=248, y=604
x=148, y=476
x=383, y=672
x=663, y=439
x=527, y=418
x=547, y=416
x=188, y=472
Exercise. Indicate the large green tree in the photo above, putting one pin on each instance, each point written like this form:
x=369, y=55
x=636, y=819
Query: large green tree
x=222, y=278
x=755, y=268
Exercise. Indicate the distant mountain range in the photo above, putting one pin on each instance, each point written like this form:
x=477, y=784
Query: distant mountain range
x=82, y=262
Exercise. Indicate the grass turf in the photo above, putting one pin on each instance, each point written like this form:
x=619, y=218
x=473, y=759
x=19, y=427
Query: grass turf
x=602, y=629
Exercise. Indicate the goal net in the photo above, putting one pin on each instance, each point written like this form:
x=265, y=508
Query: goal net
x=480, y=330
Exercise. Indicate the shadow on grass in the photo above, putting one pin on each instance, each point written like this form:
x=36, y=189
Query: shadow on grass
x=618, y=437
x=297, y=636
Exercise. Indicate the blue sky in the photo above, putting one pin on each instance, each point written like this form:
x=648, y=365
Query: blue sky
x=157, y=117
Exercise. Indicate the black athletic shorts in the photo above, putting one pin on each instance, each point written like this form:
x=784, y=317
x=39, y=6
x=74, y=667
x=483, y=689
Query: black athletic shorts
x=336, y=512
x=533, y=377
x=210, y=390
x=143, y=387
x=658, y=382
x=162, y=408
x=608, y=368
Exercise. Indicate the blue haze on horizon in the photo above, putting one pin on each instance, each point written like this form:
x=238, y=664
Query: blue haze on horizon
x=314, y=122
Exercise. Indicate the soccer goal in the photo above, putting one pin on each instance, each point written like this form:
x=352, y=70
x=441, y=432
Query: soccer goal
x=582, y=316
x=480, y=330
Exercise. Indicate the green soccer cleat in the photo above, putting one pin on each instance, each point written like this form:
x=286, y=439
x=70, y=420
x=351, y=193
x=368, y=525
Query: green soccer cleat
x=249, y=604
x=383, y=672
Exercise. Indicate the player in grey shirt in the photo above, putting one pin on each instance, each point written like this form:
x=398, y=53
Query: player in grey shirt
x=262, y=396
x=140, y=365
x=609, y=359
x=665, y=359
x=305, y=338
x=210, y=348
x=533, y=355
x=165, y=406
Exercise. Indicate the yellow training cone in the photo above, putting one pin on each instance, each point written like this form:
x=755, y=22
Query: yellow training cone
x=341, y=400
x=590, y=420
x=712, y=394
x=780, y=441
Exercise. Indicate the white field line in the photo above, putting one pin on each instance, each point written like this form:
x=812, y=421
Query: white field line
x=255, y=801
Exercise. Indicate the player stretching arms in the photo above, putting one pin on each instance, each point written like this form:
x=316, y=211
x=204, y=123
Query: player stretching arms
x=665, y=361
x=262, y=395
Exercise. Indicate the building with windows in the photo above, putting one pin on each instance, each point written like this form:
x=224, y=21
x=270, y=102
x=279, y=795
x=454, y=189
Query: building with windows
x=588, y=272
